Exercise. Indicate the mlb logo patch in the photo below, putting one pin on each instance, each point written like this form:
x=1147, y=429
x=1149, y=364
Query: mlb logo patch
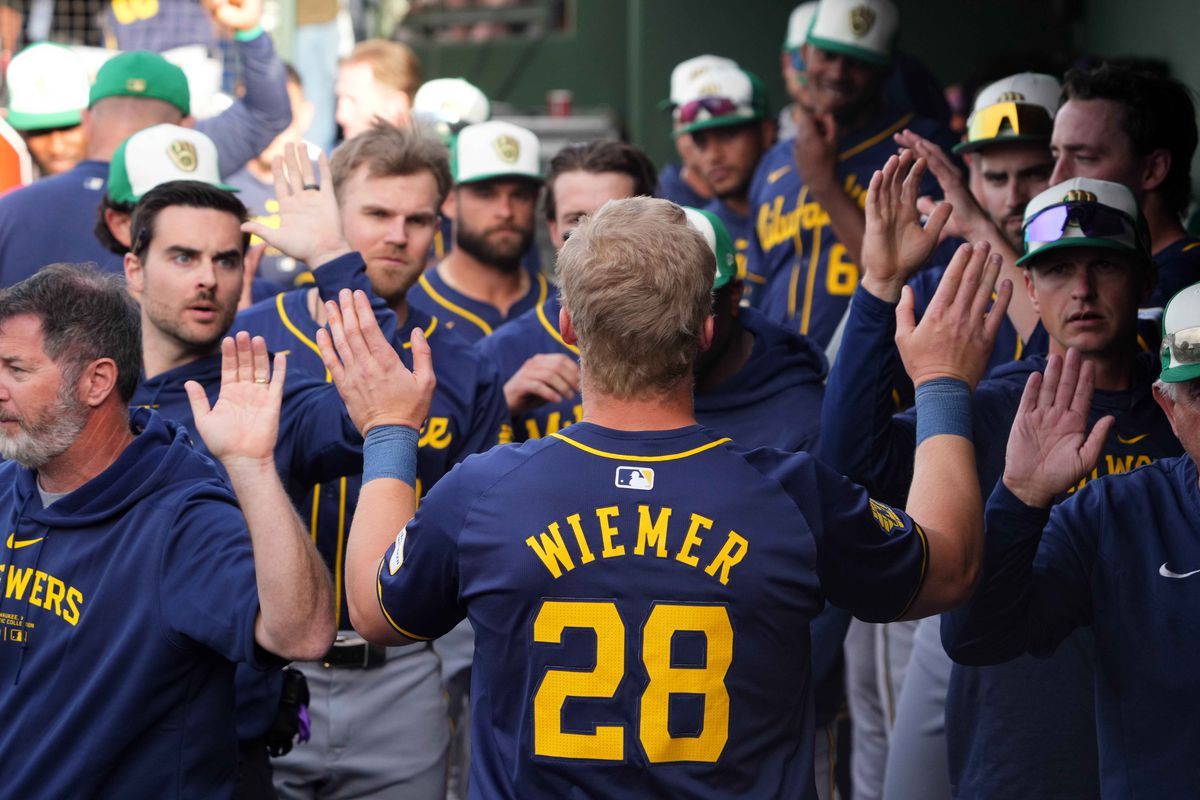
x=635, y=478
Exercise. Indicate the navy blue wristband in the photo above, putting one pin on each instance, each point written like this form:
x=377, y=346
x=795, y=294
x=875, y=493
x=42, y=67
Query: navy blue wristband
x=943, y=407
x=390, y=451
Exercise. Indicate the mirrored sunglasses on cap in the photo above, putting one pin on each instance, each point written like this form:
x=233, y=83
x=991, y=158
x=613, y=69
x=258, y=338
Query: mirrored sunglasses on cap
x=706, y=108
x=1009, y=120
x=1080, y=220
x=1183, y=347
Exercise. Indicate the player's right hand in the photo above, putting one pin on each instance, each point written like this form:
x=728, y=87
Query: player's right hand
x=969, y=221
x=1049, y=449
x=957, y=332
x=310, y=224
x=544, y=378
x=895, y=245
x=374, y=383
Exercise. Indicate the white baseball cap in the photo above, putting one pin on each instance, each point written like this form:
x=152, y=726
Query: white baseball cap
x=798, y=23
x=687, y=71
x=1018, y=108
x=159, y=154
x=495, y=149
x=453, y=101
x=48, y=88
x=1181, y=336
x=862, y=29
x=719, y=97
x=1085, y=212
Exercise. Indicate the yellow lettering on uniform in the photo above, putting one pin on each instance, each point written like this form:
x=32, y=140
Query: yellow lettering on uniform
x=585, y=552
x=436, y=434
x=731, y=554
x=608, y=532
x=18, y=581
x=1118, y=465
x=684, y=556
x=531, y=429
x=1142, y=461
x=652, y=534
x=74, y=601
x=35, y=596
x=56, y=590
x=552, y=551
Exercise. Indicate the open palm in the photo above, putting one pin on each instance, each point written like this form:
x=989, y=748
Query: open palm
x=1049, y=447
x=895, y=243
x=244, y=422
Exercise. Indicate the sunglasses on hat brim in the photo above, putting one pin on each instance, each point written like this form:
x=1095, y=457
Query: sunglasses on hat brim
x=1081, y=221
x=1009, y=120
x=706, y=108
x=1183, y=347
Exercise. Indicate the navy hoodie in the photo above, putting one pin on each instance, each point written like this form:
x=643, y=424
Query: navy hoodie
x=1025, y=728
x=317, y=443
x=125, y=605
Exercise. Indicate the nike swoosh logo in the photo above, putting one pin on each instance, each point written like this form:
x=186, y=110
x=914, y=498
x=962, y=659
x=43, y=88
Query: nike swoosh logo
x=16, y=544
x=776, y=174
x=1166, y=573
x=1133, y=440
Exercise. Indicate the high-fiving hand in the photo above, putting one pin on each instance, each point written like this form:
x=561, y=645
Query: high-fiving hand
x=243, y=424
x=1049, y=447
x=374, y=383
x=310, y=224
x=895, y=244
x=957, y=332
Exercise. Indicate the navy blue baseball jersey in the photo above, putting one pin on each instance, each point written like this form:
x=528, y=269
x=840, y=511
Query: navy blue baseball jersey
x=125, y=604
x=468, y=414
x=533, y=333
x=469, y=318
x=1121, y=556
x=1178, y=268
x=160, y=25
x=1013, y=725
x=641, y=603
x=806, y=275
x=671, y=186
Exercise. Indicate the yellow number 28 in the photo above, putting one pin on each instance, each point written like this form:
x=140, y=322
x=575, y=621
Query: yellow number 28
x=607, y=742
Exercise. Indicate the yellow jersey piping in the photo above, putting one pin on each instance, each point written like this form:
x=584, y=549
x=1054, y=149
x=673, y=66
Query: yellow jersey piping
x=626, y=457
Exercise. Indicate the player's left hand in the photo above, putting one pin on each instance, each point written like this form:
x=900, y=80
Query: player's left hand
x=957, y=332
x=374, y=383
x=310, y=225
x=1049, y=448
x=816, y=148
x=243, y=425
x=969, y=221
x=239, y=15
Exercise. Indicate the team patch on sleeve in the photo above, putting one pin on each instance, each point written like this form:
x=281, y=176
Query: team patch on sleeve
x=886, y=517
x=397, y=559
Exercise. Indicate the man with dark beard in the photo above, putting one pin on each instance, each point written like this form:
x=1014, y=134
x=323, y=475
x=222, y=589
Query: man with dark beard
x=480, y=284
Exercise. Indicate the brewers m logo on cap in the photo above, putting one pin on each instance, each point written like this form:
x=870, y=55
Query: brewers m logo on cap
x=508, y=148
x=182, y=155
x=1080, y=196
x=861, y=20
x=1010, y=97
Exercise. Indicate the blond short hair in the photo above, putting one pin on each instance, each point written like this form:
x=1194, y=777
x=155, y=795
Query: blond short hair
x=387, y=151
x=637, y=282
x=392, y=63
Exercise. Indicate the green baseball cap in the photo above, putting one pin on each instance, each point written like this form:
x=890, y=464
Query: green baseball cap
x=159, y=154
x=716, y=235
x=1181, y=336
x=140, y=73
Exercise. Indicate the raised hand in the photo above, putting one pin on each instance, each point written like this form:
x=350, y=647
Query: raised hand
x=969, y=221
x=957, y=332
x=374, y=383
x=544, y=378
x=895, y=244
x=310, y=225
x=243, y=424
x=239, y=15
x=815, y=148
x=1049, y=448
